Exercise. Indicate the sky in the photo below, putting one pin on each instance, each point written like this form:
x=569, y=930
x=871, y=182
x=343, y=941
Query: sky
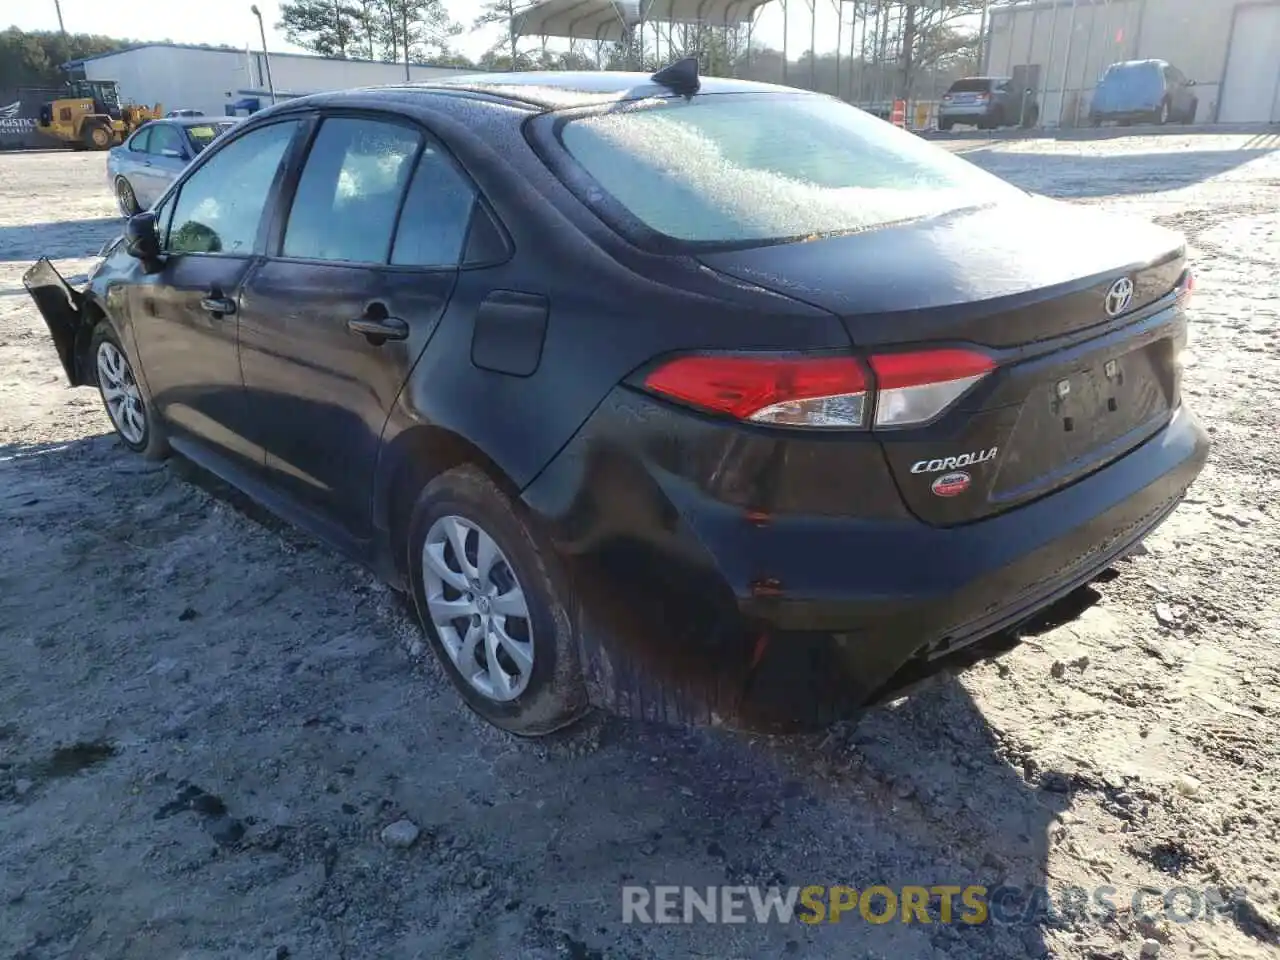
x=218, y=22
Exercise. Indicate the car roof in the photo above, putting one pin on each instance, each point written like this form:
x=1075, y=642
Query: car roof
x=1129, y=64
x=191, y=121
x=548, y=90
x=199, y=121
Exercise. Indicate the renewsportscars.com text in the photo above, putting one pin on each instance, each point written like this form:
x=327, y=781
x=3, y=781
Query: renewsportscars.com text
x=938, y=903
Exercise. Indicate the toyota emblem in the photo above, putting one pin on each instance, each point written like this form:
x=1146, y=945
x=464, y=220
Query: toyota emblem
x=1119, y=297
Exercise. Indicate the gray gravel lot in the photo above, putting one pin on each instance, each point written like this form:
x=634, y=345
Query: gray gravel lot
x=207, y=721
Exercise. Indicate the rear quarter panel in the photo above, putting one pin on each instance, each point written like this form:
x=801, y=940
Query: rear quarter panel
x=611, y=309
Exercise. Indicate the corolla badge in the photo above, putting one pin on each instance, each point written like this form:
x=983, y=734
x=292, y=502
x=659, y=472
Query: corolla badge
x=953, y=463
x=1119, y=297
x=951, y=484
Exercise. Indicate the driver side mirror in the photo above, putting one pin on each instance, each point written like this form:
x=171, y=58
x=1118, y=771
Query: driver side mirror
x=142, y=240
x=1191, y=83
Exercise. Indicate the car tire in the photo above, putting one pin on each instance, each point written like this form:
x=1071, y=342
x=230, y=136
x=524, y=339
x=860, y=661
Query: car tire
x=944, y=125
x=523, y=675
x=97, y=136
x=130, y=410
x=126, y=199
x=1163, y=116
x=1189, y=117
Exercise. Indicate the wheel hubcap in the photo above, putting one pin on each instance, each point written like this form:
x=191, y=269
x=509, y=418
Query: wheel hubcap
x=120, y=393
x=125, y=193
x=478, y=608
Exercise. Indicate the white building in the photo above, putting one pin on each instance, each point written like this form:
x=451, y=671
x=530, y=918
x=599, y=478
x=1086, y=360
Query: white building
x=212, y=80
x=1230, y=48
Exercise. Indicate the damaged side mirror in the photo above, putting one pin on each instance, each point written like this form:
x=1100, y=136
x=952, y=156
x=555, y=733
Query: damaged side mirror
x=142, y=240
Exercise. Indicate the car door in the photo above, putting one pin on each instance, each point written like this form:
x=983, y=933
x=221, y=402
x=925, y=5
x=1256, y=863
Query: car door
x=184, y=316
x=130, y=162
x=332, y=322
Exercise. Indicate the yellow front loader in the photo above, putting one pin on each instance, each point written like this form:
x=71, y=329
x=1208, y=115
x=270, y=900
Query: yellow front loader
x=91, y=116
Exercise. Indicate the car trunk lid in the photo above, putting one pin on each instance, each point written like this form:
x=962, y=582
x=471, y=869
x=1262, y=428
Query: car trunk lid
x=1026, y=284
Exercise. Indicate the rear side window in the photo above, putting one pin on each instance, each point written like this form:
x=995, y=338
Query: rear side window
x=201, y=135
x=437, y=212
x=746, y=169
x=220, y=205
x=346, y=202
x=971, y=85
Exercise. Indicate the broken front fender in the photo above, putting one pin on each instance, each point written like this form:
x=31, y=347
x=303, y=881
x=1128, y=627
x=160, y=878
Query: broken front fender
x=63, y=310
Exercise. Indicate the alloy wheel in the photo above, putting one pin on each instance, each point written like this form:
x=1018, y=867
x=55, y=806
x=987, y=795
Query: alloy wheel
x=121, y=394
x=126, y=198
x=478, y=608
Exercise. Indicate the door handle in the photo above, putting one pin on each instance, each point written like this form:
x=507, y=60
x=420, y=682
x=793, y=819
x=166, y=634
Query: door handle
x=378, y=330
x=218, y=306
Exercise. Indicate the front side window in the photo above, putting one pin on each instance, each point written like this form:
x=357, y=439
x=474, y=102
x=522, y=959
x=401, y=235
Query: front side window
x=141, y=140
x=221, y=204
x=349, y=192
x=436, y=215
x=166, y=137
x=741, y=169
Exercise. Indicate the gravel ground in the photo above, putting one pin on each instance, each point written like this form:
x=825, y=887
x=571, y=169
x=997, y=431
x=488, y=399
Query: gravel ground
x=207, y=721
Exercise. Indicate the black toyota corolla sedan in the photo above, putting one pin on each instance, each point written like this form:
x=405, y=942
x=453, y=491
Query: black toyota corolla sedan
x=698, y=400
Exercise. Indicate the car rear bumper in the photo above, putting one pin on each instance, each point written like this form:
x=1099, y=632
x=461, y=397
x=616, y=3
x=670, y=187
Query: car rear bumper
x=716, y=613
x=966, y=112
x=1122, y=116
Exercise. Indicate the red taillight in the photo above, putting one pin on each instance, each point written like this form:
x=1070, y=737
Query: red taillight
x=833, y=392
x=799, y=391
x=1186, y=286
x=916, y=387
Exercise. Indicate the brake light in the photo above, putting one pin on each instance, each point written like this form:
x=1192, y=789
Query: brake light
x=790, y=391
x=916, y=387
x=831, y=392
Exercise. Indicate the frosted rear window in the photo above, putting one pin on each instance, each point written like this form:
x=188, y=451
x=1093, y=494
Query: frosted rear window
x=732, y=169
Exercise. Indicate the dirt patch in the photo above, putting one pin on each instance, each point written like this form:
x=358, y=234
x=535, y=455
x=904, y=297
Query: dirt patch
x=243, y=717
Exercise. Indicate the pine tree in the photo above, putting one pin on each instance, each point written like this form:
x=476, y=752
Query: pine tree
x=331, y=28
x=502, y=12
x=414, y=30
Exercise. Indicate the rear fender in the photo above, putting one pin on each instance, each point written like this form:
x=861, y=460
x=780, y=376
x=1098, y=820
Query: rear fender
x=63, y=309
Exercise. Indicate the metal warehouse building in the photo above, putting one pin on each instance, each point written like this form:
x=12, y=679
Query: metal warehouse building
x=1230, y=48
x=216, y=81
